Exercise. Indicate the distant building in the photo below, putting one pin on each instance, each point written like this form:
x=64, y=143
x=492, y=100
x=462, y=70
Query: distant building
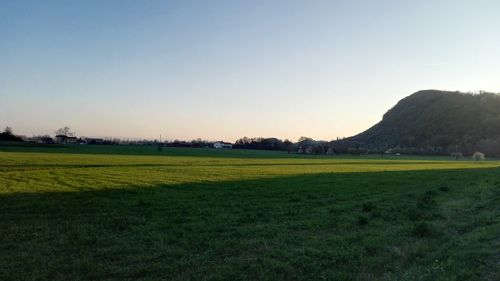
x=221, y=144
x=62, y=139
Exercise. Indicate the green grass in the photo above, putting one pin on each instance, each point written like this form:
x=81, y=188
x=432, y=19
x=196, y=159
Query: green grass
x=128, y=213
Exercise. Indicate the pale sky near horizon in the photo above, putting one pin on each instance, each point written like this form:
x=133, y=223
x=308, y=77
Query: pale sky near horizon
x=228, y=69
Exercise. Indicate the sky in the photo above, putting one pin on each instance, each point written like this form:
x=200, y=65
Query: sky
x=221, y=70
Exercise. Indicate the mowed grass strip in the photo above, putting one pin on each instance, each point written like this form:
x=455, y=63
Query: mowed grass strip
x=199, y=217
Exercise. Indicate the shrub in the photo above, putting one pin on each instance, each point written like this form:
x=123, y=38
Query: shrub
x=478, y=156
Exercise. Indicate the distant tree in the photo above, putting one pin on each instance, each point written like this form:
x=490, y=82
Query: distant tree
x=287, y=145
x=8, y=135
x=263, y=143
x=65, y=131
x=199, y=143
x=304, y=139
x=8, y=130
x=42, y=139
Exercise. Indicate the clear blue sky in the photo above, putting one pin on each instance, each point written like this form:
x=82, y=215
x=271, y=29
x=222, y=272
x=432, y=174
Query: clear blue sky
x=227, y=69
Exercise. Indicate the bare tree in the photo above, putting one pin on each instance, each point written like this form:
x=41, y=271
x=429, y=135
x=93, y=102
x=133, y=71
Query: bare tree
x=65, y=131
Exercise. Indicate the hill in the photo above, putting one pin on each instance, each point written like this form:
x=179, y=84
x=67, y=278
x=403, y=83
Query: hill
x=436, y=122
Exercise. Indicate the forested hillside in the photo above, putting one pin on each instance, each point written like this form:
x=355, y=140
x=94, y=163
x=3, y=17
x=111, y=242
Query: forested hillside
x=434, y=121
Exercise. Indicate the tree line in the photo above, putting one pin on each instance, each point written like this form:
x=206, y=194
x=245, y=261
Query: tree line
x=304, y=145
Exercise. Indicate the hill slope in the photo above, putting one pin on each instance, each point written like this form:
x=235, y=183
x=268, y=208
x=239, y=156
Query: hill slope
x=437, y=121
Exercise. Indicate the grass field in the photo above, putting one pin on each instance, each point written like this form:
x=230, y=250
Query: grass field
x=133, y=213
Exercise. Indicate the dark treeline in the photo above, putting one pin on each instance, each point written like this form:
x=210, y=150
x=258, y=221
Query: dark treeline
x=8, y=135
x=196, y=143
x=264, y=144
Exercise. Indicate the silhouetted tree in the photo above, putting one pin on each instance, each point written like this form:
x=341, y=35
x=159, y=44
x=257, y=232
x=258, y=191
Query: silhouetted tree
x=8, y=130
x=8, y=135
x=65, y=131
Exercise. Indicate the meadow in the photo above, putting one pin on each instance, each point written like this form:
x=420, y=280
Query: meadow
x=134, y=213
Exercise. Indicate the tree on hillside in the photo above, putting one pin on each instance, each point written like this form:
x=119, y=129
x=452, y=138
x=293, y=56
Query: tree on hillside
x=435, y=122
x=65, y=131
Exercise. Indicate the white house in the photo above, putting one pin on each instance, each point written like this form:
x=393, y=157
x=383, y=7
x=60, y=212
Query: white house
x=221, y=144
x=63, y=139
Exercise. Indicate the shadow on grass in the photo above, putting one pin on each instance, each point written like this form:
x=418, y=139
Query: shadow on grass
x=342, y=226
